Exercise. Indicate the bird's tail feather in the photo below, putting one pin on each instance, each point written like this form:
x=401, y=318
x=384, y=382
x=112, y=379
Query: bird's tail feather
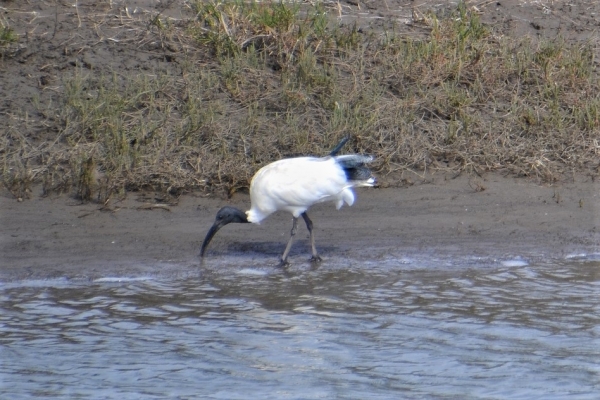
x=353, y=159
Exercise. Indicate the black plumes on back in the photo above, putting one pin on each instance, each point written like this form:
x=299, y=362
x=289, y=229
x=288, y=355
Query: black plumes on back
x=357, y=173
x=354, y=166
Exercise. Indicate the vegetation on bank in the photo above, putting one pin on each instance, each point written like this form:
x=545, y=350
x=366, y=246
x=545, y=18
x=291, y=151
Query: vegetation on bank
x=258, y=81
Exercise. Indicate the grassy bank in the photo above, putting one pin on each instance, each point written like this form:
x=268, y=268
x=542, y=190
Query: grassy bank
x=249, y=83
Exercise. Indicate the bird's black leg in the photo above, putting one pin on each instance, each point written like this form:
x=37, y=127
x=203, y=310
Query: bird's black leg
x=309, y=225
x=289, y=245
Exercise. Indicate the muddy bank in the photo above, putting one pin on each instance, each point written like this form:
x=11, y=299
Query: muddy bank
x=59, y=237
x=493, y=217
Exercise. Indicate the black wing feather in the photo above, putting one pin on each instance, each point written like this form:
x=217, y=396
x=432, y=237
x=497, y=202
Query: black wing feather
x=354, y=166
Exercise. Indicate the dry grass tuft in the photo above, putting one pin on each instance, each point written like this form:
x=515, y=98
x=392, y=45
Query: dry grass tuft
x=263, y=80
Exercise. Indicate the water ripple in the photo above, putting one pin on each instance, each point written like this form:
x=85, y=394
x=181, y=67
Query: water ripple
x=516, y=330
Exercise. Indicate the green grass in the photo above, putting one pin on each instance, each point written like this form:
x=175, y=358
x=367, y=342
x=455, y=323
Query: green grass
x=8, y=38
x=274, y=79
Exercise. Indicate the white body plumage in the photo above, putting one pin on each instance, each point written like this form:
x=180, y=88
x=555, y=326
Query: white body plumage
x=295, y=184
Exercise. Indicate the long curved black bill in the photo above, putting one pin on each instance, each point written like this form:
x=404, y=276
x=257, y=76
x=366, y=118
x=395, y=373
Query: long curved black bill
x=211, y=232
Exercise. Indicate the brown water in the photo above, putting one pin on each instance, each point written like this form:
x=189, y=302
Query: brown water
x=435, y=329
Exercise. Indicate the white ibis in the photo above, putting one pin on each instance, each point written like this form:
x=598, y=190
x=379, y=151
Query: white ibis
x=295, y=184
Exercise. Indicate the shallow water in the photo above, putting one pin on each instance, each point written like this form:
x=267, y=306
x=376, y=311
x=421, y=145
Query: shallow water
x=411, y=329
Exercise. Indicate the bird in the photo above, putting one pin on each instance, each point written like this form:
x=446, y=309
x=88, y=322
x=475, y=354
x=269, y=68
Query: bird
x=294, y=185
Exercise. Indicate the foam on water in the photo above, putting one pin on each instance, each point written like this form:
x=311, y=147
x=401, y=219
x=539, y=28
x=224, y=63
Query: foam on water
x=252, y=271
x=123, y=279
x=583, y=256
x=515, y=262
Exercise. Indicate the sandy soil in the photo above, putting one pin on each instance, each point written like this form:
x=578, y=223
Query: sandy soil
x=447, y=218
x=493, y=216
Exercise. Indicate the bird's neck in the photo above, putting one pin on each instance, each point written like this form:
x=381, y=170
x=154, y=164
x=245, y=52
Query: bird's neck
x=254, y=215
x=242, y=217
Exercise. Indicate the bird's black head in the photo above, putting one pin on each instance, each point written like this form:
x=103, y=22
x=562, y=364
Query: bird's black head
x=226, y=215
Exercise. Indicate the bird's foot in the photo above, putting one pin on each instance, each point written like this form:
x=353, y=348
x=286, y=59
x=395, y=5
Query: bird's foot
x=283, y=263
x=316, y=259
